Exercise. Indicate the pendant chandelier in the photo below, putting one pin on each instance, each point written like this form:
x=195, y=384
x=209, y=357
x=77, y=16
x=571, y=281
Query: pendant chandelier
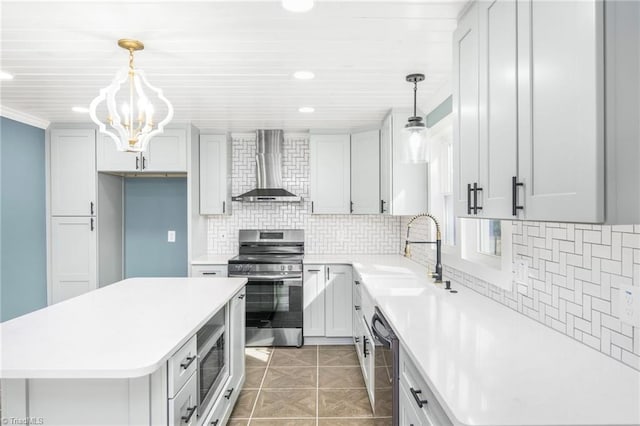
x=416, y=129
x=128, y=111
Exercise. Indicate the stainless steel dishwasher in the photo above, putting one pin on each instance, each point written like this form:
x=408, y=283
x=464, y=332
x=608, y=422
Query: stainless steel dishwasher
x=387, y=368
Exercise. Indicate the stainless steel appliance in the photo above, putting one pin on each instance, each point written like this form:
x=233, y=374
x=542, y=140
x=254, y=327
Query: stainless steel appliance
x=271, y=260
x=213, y=357
x=387, y=371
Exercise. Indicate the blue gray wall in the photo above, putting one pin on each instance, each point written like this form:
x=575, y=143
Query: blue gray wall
x=23, y=253
x=153, y=206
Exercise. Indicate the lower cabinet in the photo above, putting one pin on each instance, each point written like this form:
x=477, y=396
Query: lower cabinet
x=327, y=293
x=73, y=257
x=211, y=271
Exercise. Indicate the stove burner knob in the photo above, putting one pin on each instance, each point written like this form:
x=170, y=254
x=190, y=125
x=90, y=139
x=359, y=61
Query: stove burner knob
x=282, y=267
x=290, y=267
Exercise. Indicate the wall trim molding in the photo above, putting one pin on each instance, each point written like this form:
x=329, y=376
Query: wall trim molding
x=23, y=117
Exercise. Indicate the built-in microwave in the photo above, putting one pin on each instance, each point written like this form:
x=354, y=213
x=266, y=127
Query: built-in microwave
x=213, y=360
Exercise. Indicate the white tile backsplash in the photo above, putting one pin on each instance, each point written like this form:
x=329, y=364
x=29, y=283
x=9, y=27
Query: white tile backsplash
x=575, y=271
x=324, y=234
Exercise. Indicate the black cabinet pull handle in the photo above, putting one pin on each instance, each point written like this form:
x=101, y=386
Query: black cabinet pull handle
x=190, y=412
x=382, y=203
x=469, y=199
x=215, y=422
x=313, y=270
x=92, y=226
x=356, y=307
x=357, y=282
x=241, y=297
x=187, y=362
x=514, y=196
x=144, y=162
x=137, y=163
x=312, y=207
x=351, y=207
x=365, y=352
x=228, y=394
x=91, y=207
x=356, y=339
x=415, y=393
x=224, y=207
x=475, y=198
x=209, y=273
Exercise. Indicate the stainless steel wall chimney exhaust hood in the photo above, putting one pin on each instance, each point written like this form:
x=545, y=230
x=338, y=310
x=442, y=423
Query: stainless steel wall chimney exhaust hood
x=268, y=170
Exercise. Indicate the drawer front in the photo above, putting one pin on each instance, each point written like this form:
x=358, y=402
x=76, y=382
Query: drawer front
x=218, y=413
x=412, y=382
x=409, y=414
x=184, y=406
x=211, y=271
x=182, y=365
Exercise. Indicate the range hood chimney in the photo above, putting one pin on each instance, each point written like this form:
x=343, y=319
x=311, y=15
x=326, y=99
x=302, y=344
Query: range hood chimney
x=268, y=170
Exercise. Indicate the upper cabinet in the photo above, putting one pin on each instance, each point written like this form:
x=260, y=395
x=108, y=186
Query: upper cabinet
x=215, y=169
x=403, y=185
x=365, y=172
x=73, y=172
x=167, y=153
x=330, y=174
x=529, y=130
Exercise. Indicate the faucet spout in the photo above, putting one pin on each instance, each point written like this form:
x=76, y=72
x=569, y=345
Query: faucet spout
x=438, y=242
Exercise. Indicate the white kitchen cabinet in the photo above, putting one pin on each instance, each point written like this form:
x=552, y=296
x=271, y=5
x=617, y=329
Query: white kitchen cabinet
x=215, y=169
x=166, y=152
x=73, y=172
x=109, y=159
x=365, y=172
x=529, y=128
x=408, y=414
x=465, y=108
x=338, y=301
x=211, y=271
x=403, y=185
x=313, y=296
x=73, y=257
x=330, y=174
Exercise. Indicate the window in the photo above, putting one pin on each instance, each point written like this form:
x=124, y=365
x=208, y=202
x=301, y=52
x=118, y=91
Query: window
x=441, y=198
x=489, y=237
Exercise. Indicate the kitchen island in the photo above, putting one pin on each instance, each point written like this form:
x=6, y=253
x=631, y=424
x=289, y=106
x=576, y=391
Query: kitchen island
x=123, y=354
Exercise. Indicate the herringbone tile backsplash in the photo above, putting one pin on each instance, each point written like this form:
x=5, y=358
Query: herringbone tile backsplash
x=575, y=272
x=324, y=234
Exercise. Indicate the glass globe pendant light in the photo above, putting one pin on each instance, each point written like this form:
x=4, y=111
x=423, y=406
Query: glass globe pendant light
x=129, y=115
x=416, y=129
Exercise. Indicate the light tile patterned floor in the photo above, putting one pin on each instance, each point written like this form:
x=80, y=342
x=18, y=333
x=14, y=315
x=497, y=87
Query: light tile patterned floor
x=313, y=385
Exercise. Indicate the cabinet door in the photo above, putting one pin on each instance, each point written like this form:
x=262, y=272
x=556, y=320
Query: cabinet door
x=73, y=172
x=330, y=165
x=409, y=416
x=339, y=301
x=73, y=257
x=167, y=152
x=213, y=174
x=498, y=139
x=465, y=108
x=237, y=337
x=313, y=294
x=386, y=160
x=109, y=159
x=365, y=172
x=561, y=109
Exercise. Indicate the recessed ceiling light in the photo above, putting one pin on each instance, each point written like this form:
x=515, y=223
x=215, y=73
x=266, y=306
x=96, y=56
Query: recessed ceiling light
x=306, y=109
x=304, y=75
x=5, y=76
x=80, y=109
x=297, y=5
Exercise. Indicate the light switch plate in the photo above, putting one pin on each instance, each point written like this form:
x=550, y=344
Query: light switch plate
x=521, y=271
x=171, y=236
x=629, y=305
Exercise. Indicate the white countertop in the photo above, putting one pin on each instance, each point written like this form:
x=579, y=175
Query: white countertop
x=212, y=259
x=127, y=329
x=489, y=365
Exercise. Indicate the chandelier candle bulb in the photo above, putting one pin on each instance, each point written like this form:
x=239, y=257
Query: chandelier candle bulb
x=134, y=129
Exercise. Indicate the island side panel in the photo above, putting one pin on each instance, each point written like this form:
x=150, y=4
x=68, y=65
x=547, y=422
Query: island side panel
x=14, y=398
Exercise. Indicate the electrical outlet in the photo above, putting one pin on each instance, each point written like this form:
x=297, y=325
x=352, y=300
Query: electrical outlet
x=629, y=305
x=521, y=271
x=171, y=236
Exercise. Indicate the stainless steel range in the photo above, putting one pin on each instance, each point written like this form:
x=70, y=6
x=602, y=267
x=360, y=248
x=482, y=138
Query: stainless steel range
x=272, y=262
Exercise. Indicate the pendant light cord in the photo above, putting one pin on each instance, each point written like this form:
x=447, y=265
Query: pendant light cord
x=415, y=94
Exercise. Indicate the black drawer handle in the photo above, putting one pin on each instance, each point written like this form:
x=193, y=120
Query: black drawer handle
x=365, y=351
x=514, y=196
x=356, y=307
x=91, y=207
x=209, y=273
x=229, y=393
x=241, y=297
x=382, y=203
x=313, y=270
x=356, y=339
x=415, y=393
x=357, y=282
x=215, y=422
x=190, y=412
x=137, y=163
x=187, y=362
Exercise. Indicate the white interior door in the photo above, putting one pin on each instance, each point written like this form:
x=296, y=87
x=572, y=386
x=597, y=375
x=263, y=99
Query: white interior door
x=561, y=109
x=498, y=141
x=330, y=174
x=365, y=172
x=465, y=109
x=73, y=257
x=73, y=172
x=167, y=152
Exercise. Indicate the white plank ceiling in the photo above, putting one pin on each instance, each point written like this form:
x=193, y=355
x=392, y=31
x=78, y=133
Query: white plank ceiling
x=229, y=65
